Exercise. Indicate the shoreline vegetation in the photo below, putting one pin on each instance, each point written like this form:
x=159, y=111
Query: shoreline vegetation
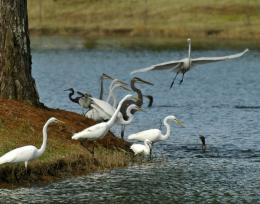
x=21, y=124
x=149, y=24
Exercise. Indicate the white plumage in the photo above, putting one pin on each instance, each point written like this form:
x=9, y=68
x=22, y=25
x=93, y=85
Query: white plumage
x=141, y=148
x=185, y=64
x=155, y=135
x=27, y=153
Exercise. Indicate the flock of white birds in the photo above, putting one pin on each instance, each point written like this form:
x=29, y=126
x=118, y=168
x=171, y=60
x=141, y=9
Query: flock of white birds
x=108, y=112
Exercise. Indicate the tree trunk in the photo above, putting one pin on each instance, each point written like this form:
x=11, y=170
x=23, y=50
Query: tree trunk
x=16, y=81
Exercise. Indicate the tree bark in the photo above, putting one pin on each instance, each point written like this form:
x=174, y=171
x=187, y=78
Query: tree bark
x=16, y=81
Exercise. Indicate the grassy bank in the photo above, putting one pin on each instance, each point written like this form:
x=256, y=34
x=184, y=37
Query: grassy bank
x=21, y=124
x=150, y=23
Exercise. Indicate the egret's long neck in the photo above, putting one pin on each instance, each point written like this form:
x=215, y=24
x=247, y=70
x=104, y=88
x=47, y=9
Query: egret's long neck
x=44, y=142
x=168, y=129
x=112, y=95
x=114, y=116
x=101, y=88
x=130, y=116
x=147, y=147
x=139, y=101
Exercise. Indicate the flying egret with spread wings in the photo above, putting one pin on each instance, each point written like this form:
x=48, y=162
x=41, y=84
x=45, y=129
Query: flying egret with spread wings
x=185, y=64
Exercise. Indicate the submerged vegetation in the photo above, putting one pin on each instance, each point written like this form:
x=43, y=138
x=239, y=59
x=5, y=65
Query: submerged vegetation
x=21, y=124
x=150, y=23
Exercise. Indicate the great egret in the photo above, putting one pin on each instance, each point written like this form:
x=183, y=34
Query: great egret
x=138, y=102
x=155, y=135
x=185, y=64
x=28, y=153
x=100, y=130
x=142, y=148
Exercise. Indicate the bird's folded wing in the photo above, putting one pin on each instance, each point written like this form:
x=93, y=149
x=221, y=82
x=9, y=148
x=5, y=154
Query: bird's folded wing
x=98, y=108
x=161, y=66
x=202, y=60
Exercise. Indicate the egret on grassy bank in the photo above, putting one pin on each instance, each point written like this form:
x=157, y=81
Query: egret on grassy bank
x=142, y=148
x=185, y=64
x=28, y=153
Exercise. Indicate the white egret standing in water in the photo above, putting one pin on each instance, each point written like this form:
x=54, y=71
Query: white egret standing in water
x=185, y=64
x=28, y=153
x=155, y=135
x=142, y=148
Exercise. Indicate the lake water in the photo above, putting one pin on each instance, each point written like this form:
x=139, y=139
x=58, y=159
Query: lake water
x=219, y=100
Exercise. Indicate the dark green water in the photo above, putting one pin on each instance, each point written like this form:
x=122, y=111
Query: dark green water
x=221, y=101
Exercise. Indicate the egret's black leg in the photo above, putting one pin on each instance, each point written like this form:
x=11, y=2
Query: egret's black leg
x=181, y=79
x=174, y=79
x=151, y=151
x=122, y=131
x=161, y=123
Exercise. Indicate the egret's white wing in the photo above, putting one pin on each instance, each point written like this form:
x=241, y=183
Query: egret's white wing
x=151, y=134
x=103, y=106
x=161, y=66
x=203, y=60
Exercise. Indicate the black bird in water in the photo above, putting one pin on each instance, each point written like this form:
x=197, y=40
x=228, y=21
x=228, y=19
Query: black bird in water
x=203, y=143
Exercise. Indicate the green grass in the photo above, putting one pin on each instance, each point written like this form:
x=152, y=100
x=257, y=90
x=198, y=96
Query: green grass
x=174, y=20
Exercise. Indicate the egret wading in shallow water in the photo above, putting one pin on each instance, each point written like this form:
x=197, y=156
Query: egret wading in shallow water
x=142, y=148
x=138, y=102
x=99, y=130
x=155, y=135
x=185, y=64
x=28, y=153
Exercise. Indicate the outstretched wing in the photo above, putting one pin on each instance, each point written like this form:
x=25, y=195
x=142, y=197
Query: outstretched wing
x=162, y=66
x=203, y=60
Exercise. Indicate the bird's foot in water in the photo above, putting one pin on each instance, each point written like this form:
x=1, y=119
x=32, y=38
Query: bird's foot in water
x=180, y=82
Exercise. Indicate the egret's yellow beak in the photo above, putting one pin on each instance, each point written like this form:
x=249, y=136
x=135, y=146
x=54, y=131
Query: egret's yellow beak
x=179, y=123
x=140, y=109
x=122, y=82
x=59, y=121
